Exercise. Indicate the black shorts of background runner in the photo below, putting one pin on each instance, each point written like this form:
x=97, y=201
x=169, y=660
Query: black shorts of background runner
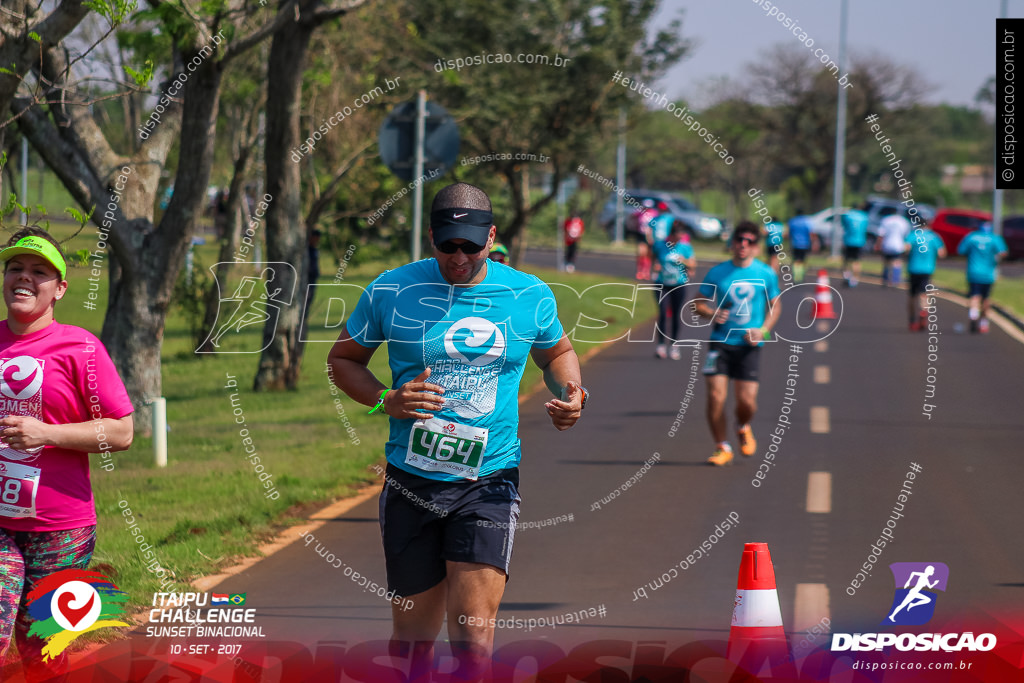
x=851, y=253
x=918, y=282
x=982, y=289
x=888, y=257
x=671, y=300
x=800, y=255
x=425, y=522
x=741, y=362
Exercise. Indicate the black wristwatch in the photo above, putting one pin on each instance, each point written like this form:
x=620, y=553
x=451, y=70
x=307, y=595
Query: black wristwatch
x=586, y=395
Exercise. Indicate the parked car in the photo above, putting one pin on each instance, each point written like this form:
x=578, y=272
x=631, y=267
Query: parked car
x=699, y=224
x=822, y=222
x=874, y=211
x=1013, y=234
x=952, y=225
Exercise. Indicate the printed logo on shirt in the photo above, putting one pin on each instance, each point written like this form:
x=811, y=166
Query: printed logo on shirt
x=742, y=294
x=21, y=393
x=466, y=358
x=474, y=341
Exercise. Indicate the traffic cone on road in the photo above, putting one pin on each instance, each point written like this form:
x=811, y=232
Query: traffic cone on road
x=756, y=633
x=823, y=298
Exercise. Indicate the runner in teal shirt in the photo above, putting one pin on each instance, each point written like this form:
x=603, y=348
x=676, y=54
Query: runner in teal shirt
x=674, y=261
x=923, y=248
x=742, y=299
x=459, y=329
x=983, y=251
x=855, y=235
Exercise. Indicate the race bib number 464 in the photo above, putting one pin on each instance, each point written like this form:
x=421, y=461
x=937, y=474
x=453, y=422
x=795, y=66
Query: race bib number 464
x=444, y=446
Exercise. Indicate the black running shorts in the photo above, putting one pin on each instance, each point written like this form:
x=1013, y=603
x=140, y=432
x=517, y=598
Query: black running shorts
x=740, y=362
x=918, y=282
x=425, y=523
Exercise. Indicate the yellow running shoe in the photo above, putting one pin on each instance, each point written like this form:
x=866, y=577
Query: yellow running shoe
x=722, y=456
x=748, y=445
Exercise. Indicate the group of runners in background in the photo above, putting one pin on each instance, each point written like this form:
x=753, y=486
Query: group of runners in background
x=740, y=295
x=898, y=240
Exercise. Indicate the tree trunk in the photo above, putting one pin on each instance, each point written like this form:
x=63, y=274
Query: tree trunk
x=286, y=236
x=133, y=330
x=228, y=245
x=145, y=260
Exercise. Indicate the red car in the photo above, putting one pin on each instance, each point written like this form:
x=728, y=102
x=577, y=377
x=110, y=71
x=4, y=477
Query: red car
x=952, y=225
x=1013, y=233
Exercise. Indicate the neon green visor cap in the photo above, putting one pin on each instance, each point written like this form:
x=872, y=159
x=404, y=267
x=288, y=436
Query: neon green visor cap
x=38, y=247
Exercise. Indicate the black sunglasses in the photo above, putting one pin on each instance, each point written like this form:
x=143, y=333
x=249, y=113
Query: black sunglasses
x=744, y=240
x=466, y=247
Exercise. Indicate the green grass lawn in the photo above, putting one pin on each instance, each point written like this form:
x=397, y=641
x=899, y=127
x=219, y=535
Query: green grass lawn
x=208, y=507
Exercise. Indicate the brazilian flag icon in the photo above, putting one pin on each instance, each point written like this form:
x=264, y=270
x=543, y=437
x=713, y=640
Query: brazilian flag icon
x=237, y=599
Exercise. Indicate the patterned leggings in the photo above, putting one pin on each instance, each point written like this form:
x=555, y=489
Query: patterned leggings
x=26, y=557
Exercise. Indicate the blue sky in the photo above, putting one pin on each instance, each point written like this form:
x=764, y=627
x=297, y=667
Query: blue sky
x=951, y=43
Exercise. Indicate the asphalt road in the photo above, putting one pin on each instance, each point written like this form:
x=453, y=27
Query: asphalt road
x=857, y=425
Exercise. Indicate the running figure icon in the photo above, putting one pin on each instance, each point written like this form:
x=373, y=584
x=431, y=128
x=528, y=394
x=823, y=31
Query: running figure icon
x=915, y=598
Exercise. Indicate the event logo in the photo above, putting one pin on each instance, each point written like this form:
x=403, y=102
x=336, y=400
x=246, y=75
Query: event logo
x=72, y=602
x=914, y=603
x=474, y=341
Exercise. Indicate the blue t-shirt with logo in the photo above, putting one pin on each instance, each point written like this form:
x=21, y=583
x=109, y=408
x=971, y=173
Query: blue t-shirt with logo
x=476, y=341
x=855, y=228
x=746, y=292
x=673, y=271
x=661, y=227
x=800, y=232
x=981, y=249
x=924, y=251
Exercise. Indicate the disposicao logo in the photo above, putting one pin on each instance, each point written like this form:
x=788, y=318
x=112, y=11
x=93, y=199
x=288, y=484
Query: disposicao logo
x=913, y=604
x=72, y=602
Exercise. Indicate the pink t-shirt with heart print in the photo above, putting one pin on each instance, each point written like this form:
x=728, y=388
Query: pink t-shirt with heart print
x=58, y=375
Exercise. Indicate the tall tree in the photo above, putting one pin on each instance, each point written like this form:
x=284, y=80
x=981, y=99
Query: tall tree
x=553, y=95
x=797, y=99
x=146, y=254
x=280, y=361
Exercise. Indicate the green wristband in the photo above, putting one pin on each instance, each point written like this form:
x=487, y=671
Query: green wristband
x=380, y=402
x=766, y=334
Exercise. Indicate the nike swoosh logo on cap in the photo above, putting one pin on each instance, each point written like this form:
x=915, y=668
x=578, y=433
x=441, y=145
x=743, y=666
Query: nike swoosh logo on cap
x=459, y=215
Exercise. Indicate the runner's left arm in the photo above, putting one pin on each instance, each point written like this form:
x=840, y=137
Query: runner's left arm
x=561, y=368
x=756, y=335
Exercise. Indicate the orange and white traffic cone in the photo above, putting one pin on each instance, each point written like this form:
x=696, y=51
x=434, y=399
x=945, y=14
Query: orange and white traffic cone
x=823, y=298
x=756, y=634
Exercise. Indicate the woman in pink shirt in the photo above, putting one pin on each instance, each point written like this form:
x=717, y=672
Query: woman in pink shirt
x=60, y=399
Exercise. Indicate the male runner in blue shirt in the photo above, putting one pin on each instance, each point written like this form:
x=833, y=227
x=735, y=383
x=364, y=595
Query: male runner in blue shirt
x=459, y=329
x=923, y=248
x=799, y=242
x=855, y=236
x=742, y=297
x=983, y=251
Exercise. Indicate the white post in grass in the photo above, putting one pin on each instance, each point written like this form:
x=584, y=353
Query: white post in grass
x=160, y=431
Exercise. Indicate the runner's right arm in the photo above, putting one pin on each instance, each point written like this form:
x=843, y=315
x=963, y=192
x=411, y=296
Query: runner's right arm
x=349, y=362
